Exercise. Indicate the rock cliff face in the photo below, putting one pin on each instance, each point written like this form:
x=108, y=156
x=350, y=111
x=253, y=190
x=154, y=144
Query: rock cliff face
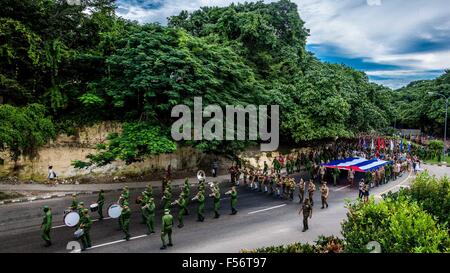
x=64, y=149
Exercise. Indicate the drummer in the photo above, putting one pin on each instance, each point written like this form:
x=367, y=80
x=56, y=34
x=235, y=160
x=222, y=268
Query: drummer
x=101, y=202
x=46, y=226
x=74, y=205
x=86, y=224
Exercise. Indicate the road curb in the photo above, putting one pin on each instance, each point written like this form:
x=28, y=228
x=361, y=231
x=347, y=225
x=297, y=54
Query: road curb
x=69, y=193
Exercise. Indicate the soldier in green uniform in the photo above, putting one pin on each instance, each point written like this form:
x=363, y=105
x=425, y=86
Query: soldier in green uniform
x=149, y=191
x=266, y=168
x=311, y=190
x=166, y=228
x=181, y=201
x=125, y=217
x=336, y=173
x=216, y=195
x=86, y=224
x=149, y=212
x=201, y=206
x=166, y=199
x=101, y=202
x=277, y=165
x=46, y=226
x=233, y=194
x=80, y=211
x=309, y=168
x=74, y=205
x=301, y=190
x=126, y=194
x=307, y=213
x=187, y=194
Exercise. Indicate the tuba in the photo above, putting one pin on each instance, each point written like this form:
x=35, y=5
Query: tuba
x=201, y=176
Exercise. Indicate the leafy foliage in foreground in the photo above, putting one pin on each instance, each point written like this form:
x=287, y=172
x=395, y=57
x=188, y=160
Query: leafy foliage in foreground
x=324, y=244
x=433, y=195
x=399, y=225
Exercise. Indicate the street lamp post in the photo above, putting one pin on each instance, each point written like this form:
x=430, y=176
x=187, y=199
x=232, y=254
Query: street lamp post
x=446, y=117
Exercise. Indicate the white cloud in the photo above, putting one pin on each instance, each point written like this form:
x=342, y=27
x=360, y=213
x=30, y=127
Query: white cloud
x=374, y=30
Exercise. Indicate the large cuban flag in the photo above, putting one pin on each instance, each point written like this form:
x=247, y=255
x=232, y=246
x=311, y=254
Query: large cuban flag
x=357, y=164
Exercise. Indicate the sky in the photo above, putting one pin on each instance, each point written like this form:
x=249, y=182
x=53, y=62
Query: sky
x=394, y=41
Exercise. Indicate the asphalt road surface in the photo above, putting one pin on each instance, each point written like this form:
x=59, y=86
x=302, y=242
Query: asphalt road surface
x=262, y=220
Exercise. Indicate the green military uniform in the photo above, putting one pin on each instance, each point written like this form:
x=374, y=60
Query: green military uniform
x=336, y=173
x=216, y=202
x=149, y=212
x=86, y=224
x=182, y=204
x=101, y=202
x=277, y=165
x=46, y=226
x=187, y=194
x=201, y=207
x=167, y=197
x=74, y=205
x=233, y=201
x=166, y=229
x=125, y=217
x=288, y=166
x=307, y=213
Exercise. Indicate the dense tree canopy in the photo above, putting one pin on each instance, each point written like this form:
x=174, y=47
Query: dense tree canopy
x=85, y=64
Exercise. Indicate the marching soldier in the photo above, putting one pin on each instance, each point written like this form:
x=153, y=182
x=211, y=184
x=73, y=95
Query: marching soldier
x=277, y=165
x=80, y=208
x=182, y=209
x=101, y=202
x=201, y=206
x=86, y=224
x=166, y=229
x=74, y=205
x=266, y=168
x=166, y=199
x=233, y=194
x=149, y=191
x=336, y=173
x=126, y=194
x=311, y=190
x=46, y=226
x=125, y=221
x=149, y=212
x=307, y=213
x=216, y=195
x=324, y=194
x=301, y=190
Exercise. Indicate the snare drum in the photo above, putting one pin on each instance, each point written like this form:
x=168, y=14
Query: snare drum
x=94, y=207
x=78, y=233
x=114, y=210
x=71, y=219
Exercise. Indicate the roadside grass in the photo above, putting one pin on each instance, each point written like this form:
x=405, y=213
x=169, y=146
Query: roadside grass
x=435, y=161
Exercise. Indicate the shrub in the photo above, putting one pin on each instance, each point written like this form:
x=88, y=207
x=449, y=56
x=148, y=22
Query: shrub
x=399, y=226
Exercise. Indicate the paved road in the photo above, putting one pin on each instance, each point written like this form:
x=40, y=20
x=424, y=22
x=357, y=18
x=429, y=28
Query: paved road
x=438, y=171
x=261, y=221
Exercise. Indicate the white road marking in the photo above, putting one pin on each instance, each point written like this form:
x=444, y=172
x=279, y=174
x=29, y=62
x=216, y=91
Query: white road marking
x=261, y=210
x=341, y=188
x=114, y=242
x=95, y=220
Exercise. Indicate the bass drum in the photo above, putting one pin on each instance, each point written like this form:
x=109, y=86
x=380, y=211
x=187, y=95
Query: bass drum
x=114, y=210
x=71, y=219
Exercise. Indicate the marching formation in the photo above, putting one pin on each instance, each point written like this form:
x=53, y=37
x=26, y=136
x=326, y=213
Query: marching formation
x=77, y=215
